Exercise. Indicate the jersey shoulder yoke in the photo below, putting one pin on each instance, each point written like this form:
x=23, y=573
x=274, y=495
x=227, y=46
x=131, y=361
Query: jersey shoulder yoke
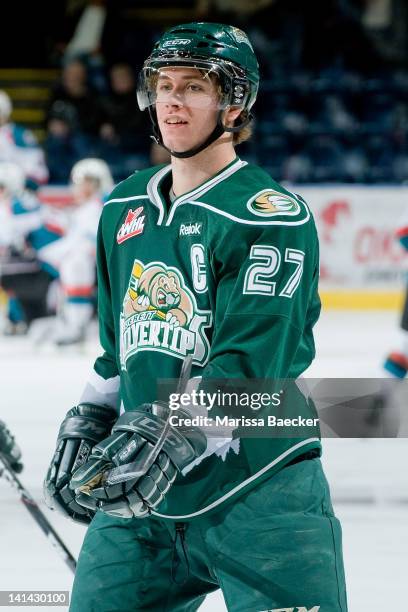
x=133, y=187
x=252, y=197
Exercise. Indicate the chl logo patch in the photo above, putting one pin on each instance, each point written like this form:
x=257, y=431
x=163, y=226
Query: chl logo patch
x=270, y=203
x=132, y=226
x=160, y=313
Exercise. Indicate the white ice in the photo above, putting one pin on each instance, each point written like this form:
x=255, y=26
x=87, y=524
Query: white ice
x=39, y=384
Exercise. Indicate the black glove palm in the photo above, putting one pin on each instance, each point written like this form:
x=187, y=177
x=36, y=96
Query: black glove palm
x=83, y=426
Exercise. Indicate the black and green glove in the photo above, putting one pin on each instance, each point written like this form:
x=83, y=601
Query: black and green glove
x=84, y=426
x=129, y=473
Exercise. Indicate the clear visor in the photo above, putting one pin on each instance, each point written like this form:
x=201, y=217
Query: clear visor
x=192, y=86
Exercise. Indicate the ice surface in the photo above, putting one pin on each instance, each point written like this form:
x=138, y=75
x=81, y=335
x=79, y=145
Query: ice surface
x=38, y=385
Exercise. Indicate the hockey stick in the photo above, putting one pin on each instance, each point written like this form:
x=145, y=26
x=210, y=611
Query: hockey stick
x=124, y=473
x=36, y=513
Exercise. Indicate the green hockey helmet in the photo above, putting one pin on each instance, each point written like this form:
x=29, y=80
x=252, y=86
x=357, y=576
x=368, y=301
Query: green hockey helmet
x=214, y=49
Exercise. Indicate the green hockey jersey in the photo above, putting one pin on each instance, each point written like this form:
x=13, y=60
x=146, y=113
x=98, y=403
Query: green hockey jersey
x=227, y=273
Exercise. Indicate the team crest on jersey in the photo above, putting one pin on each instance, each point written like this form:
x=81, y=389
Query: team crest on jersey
x=132, y=226
x=269, y=203
x=160, y=313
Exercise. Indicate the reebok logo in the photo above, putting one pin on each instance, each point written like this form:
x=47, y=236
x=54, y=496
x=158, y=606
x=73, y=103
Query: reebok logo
x=301, y=609
x=133, y=225
x=190, y=229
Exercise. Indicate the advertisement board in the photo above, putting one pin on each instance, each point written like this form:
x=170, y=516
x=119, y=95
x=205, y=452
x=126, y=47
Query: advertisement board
x=363, y=264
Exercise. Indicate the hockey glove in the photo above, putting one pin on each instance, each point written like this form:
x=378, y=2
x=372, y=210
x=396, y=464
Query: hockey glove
x=9, y=449
x=130, y=472
x=83, y=426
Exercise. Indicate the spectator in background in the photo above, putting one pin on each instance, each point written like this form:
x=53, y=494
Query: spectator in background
x=122, y=122
x=86, y=38
x=73, y=120
x=19, y=145
x=386, y=24
x=64, y=144
x=74, y=92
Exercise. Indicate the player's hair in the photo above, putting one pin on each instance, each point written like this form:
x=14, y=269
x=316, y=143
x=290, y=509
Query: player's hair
x=244, y=134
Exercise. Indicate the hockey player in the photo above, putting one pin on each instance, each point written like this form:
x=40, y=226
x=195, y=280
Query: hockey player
x=74, y=255
x=396, y=363
x=13, y=228
x=18, y=145
x=209, y=257
x=23, y=233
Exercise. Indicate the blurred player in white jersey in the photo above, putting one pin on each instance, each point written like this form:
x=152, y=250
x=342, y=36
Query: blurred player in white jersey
x=74, y=255
x=23, y=233
x=18, y=145
x=12, y=181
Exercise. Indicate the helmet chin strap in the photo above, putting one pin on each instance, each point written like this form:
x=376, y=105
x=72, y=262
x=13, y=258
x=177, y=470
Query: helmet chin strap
x=219, y=129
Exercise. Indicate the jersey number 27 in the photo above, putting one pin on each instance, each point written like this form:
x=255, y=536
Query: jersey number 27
x=258, y=277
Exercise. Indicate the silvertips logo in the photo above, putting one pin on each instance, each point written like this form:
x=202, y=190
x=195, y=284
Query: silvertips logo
x=160, y=313
x=133, y=225
x=270, y=203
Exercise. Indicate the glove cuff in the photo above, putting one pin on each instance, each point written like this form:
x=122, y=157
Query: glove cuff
x=182, y=447
x=88, y=421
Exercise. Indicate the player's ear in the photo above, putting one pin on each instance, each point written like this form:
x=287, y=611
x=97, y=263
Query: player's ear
x=231, y=114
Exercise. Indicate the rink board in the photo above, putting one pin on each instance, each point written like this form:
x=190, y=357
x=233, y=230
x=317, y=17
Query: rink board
x=362, y=300
x=363, y=266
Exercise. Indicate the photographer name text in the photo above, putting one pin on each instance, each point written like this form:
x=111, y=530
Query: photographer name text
x=225, y=421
